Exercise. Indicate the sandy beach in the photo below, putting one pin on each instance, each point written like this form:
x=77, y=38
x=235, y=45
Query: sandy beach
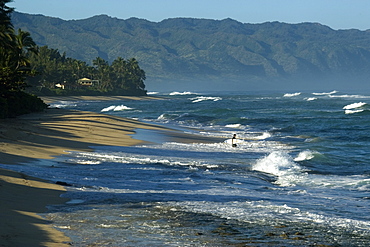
x=45, y=135
x=50, y=99
x=22, y=198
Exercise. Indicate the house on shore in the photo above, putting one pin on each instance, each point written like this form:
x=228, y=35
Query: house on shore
x=59, y=85
x=87, y=82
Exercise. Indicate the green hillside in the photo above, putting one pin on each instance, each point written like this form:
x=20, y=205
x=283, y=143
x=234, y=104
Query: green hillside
x=186, y=49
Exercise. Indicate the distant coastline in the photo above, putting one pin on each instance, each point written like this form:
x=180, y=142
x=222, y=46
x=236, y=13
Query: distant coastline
x=198, y=54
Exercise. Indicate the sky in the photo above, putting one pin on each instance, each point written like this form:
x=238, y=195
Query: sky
x=337, y=14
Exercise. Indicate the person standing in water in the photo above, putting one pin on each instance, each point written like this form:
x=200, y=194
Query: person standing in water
x=233, y=140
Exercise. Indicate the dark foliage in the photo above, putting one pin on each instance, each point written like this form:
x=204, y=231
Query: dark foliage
x=18, y=102
x=23, y=64
x=15, y=68
x=122, y=77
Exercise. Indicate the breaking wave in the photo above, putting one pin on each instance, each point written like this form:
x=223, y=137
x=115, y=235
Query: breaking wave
x=332, y=92
x=116, y=108
x=311, y=98
x=181, y=93
x=203, y=98
x=352, y=111
x=281, y=165
x=354, y=105
x=305, y=155
x=291, y=94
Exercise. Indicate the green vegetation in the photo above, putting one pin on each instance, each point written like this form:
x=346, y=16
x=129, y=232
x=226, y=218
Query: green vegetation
x=25, y=67
x=60, y=75
x=15, y=67
x=199, y=49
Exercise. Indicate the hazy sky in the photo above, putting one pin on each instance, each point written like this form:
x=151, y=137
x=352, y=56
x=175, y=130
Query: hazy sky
x=337, y=14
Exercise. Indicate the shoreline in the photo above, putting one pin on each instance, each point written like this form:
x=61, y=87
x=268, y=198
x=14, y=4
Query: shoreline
x=54, y=131
x=51, y=99
x=46, y=135
x=23, y=198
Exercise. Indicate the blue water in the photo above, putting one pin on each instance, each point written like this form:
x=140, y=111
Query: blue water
x=299, y=176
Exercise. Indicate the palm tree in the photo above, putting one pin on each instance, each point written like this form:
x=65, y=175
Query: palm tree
x=6, y=31
x=104, y=73
x=137, y=75
x=5, y=23
x=119, y=67
x=23, y=45
x=15, y=68
x=14, y=63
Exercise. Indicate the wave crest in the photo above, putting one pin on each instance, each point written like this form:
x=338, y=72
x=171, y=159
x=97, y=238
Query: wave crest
x=203, y=98
x=281, y=165
x=354, y=105
x=116, y=108
x=332, y=92
x=181, y=93
x=291, y=94
x=305, y=155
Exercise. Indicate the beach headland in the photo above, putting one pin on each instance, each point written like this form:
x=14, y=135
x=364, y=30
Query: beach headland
x=46, y=135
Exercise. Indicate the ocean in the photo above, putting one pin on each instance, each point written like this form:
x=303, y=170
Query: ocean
x=299, y=175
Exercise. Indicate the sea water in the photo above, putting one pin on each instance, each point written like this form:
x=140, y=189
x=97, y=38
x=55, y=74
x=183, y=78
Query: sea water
x=299, y=176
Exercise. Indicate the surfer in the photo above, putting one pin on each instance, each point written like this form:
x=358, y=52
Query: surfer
x=233, y=140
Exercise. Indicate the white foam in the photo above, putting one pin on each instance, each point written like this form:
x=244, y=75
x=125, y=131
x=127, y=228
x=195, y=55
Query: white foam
x=291, y=94
x=259, y=212
x=120, y=157
x=203, y=98
x=109, y=108
x=116, y=108
x=355, y=96
x=63, y=227
x=107, y=226
x=233, y=125
x=311, y=99
x=165, y=118
x=182, y=93
x=352, y=111
x=332, y=92
x=354, y=105
x=305, y=155
x=355, y=182
x=264, y=136
x=87, y=162
x=122, y=108
x=162, y=117
x=64, y=104
x=281, y=165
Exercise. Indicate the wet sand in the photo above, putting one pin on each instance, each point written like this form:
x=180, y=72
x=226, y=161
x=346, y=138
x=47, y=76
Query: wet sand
x=50, y=99
x=46, y=135
x=22, y=198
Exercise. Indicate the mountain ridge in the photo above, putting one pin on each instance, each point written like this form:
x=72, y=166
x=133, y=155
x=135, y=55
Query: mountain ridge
x=179, y=51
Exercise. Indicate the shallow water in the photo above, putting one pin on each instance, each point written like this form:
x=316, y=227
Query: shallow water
x=300, y=175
